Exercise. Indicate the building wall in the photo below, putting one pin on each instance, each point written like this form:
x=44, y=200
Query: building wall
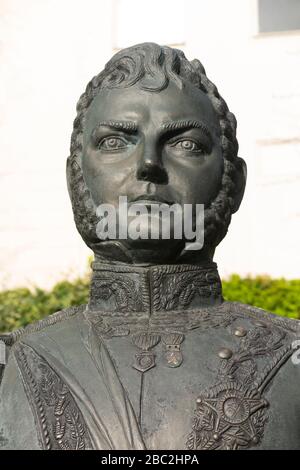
x=49, y=49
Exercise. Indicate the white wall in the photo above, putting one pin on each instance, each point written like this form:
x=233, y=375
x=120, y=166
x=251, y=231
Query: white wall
x=49, y=49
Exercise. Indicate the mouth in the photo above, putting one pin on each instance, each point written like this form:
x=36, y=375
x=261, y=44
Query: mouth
x=148, y=199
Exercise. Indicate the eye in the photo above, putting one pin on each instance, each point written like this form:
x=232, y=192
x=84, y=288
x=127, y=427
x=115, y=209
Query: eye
x=112, y=143
x=189, y=146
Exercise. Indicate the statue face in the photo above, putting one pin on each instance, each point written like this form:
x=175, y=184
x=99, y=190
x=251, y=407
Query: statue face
x=144, y=145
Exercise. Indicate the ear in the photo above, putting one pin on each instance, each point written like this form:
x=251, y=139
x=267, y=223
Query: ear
x=240, y=182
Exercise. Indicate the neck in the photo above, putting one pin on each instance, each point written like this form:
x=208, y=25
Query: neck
x=139, y=254
x=150, y=289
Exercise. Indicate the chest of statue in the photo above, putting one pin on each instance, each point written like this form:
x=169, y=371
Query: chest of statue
x=211, y=378
x=215, y=383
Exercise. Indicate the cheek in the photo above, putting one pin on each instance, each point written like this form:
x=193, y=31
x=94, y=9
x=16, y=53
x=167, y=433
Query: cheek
x=197, y=181
x=210, y=174
x=105, y=180
x=94, y=176
x=91, y=164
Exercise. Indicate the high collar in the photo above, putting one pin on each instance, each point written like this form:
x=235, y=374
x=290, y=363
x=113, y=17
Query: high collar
x=126, y=288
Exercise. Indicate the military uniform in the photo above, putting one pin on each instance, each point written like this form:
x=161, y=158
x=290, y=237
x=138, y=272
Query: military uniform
x=156, y=360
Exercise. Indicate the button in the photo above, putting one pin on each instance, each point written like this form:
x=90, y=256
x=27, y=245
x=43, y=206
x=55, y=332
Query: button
x=225, y=353
x=240, y=331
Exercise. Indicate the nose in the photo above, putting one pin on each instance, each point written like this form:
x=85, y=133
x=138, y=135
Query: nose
x=150, y=168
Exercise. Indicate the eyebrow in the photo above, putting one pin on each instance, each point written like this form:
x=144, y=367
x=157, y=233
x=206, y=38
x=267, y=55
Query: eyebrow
x=132, y=126
x=184, y=125
x=129, y=126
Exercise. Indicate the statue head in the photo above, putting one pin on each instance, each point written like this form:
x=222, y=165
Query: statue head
x=152, y=126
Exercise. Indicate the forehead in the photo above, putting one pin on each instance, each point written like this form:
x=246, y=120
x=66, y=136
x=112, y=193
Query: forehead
x=146, y=107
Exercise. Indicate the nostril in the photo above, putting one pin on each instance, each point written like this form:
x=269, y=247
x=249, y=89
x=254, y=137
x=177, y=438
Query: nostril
x=154, y=173
x=143, y=174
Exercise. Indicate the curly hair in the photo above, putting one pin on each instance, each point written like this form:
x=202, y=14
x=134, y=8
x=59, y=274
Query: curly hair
x=151, y=67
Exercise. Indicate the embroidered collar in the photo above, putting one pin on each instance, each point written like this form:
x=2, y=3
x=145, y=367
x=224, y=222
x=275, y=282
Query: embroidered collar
x=125, y=289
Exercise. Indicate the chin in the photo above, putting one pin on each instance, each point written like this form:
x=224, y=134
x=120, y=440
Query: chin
x=153, y=251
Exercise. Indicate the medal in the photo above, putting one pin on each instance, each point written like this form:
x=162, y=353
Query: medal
x=145, y=360
x=173, y=354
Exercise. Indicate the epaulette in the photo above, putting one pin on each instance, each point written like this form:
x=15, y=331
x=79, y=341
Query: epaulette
x=8, y=339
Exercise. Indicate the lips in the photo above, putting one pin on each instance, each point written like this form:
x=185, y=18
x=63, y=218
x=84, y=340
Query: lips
x=148, y=199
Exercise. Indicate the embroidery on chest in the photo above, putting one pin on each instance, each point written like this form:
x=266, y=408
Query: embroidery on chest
x=59, y=421
x=232, y=413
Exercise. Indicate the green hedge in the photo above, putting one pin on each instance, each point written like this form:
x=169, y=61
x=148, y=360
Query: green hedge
x=19, y=307
x=275, y=295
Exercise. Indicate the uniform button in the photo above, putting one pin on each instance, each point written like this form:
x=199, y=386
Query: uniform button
x=240, y=331
x=225, y=353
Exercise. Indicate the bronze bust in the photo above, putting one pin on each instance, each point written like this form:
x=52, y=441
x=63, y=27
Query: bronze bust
x=157, y=359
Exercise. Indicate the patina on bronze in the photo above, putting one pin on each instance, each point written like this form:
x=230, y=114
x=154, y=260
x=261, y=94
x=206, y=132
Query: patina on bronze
x=157, y=359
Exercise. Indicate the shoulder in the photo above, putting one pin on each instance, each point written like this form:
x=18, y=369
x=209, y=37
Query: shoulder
x=262, y=344
x=55, y=318
x=51, y=323
x=256, y=315
x=277, y=338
